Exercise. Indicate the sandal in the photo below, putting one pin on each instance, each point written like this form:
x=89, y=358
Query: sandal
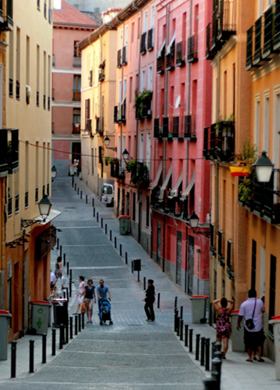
x=250, y=361
x=261, y=360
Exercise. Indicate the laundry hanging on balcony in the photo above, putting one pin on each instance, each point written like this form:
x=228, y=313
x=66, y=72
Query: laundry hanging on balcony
x=239, y=170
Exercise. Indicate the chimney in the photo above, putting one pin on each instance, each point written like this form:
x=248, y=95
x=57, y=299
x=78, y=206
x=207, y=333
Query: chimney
x=57, y=4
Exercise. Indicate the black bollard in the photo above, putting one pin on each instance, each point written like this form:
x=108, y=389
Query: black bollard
x=105, y=228
x=101, y=223
x=79, y=319
x=115, y=241
x=216, y=371
x=202, y=351
x=57, y=243
x=64, y=259
x=158, y=300
x=178, y=325
x=71, y=328
x=213, y=350
x=83, y=320
x=44, y=348
x=13, y=358
x=97, y=217
x=120, y=249
x=75, y=186
x=218, y=354
x=76, y=325
x=144, y=283
x=207, y=354
x=92, y=202
x=60, y=251
x=64, y=294
x=31, y=356
x=53, y=341
x=181, y=312
x=197, y=347
x=186, y=335
x=67, y=265
x=132, y=266
x=210, y=383
x=86, y=198
x=175, y=302
x=218, y=346
x=61, y=330
x=72, y=181
x=78, y=190
x=67, y=333
x=93, y=210
x=125, y=257
x=181, y=328
x=191, y=340
x=81, y=195
x=175, y=320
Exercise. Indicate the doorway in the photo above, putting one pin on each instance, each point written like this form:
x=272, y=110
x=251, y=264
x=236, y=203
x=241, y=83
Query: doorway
x=158, y=242
x=191, y=265
x=179, y=258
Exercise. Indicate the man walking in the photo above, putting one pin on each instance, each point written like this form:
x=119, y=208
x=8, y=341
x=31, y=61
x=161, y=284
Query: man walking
x=252, y=308
x=102, y=292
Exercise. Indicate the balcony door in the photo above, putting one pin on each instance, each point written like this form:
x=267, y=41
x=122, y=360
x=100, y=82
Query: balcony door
x=179, y=258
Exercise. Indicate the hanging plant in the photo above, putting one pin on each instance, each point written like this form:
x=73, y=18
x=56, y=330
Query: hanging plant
x=142, y=103
x=246, y=187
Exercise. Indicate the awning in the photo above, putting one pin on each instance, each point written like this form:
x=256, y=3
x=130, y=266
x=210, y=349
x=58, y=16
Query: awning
x=168, y=50
x=189, y=187
x=174, y=191
x=53, y=214
x=160, y=50
x=166, y=180
x=155, y=182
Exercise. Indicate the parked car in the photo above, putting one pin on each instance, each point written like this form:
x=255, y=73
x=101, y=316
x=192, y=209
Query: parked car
x=108, y=194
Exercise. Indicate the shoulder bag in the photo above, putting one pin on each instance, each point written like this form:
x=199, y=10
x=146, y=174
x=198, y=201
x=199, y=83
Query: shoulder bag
x=250, y=323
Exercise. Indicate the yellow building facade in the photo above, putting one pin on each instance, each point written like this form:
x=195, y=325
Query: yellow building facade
x=99, y=62
x=27, y=85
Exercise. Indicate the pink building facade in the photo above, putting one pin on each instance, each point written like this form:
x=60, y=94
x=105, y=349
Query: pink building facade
x=69, y=27
x=182, y=109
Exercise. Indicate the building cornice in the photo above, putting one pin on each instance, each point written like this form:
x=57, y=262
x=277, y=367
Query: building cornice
x=63, y=70
x=267, y=68
x=75, y=26
x=66, y=104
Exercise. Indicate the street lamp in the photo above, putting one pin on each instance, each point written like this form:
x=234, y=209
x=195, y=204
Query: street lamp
x=54, y=172
x=193, y=220
x=125, y=154
x=45, y=206
x=107, y=143
x=263, y=167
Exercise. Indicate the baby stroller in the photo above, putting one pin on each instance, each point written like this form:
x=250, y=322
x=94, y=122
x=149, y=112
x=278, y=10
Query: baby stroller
x=105, y=312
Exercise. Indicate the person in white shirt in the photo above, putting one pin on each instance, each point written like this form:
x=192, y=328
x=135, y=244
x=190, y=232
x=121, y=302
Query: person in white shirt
x=53, y=283
x=252, y=308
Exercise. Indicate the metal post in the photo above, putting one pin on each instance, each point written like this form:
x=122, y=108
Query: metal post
x=101, y=223
x=213, y=350
x=202, y=351
x=92, y=202
x=75, y=186
x=97, y=217
x=181, y=312
x=207, y=354
x=216, y=370
x=175, y=302
x=175, y=319
x=60, y=251
x=181, y=328
x=44, y=348
x=158, y=301
x=110, y=235
x=83, y=320
x=67, y=333
x=191, y=340
x=78, y=190
x=31, y=356
x=71, y=327
x=115, y=241
x=61, y=336
x=197, y=347
x=81, y=195
x=67, y=265
x=144, y=283
x=86, y=198
x=132, y=266
x=105, y=228
x=70, y=284
x=120, y=249
x=72, y=181
x=79, y=317
x=178, y=325
x=53, y=341
x=210, y=383
x=64, y=294
x=13, y=358
x=93, y=210
x=186, y=335
x=57, y=243
x=76, y=325
x=125, y=257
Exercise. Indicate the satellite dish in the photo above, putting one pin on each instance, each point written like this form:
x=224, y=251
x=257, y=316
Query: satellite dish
x=177, y=103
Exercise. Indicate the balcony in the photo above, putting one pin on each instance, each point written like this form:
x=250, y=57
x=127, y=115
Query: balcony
x=77, y=62
x=123, y=111
x=115, y=114
x=119, y=58
x=268, y=32
x=16, y=203
x=17, y=90
x=52, y=94
x=192, y=49
x=161, y=59
x=156, y=128
x=223, y=26
x=143, y=105
x=49, y=103
x=10, y=206
x=88, y=125
x=219, y=141
x=100, y=126
x=36, y=194
x=116, y=171
x=190, y=127
x=170, y=54
x=8, y=151
x=76, y=128
x=150, y=45
x=143, y=43
x=6, y=22
x=52, y=127
x=11, y=87
x=76, y=95
x=221, y=249
x=180, y=56
x=124, y=55
x=26, y=199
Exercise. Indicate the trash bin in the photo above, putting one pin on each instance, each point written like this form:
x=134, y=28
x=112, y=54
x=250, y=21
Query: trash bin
x=237, y=336
x=40, y=316
x=4, y=333
x=60, y=312
x=198, y=308
x=124, y=221
x=275, y=321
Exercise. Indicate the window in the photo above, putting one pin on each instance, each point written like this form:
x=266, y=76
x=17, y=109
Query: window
x=152, y=16
x=150, y=78
x=49, y=82
x=272, y=289
x=11, y=64
x=254, y=264
x=120, y=91
x=145, y=25
x=147, y=211
x=225, y=94
x=45, y=79
x=18, y=65
x=27, y=57
x=143, y=79
x=132, y=32
x=76, y=50
x=266, y=124
x=141, y=148
x=37, y=172
x=124, y=88
x=26, y=172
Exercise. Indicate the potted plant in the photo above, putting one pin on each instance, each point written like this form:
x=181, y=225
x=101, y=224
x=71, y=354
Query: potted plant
x=142, y=103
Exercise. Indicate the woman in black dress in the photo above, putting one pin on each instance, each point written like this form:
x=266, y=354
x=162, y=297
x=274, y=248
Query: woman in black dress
x=149, y=301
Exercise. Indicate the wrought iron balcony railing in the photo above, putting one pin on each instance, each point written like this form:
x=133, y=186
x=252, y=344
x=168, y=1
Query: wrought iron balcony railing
x=219, y=141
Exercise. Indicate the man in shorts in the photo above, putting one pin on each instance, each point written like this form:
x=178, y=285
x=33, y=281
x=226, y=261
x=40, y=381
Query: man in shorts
x=103, y=292
x=253, y=338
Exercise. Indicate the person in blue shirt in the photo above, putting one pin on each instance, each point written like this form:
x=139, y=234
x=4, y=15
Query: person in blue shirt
x=103, y=292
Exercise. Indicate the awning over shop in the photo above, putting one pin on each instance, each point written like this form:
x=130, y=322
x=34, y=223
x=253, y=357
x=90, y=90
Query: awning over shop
x=160, y=50
x=174, y=191
x=53, y=214
x=166, y=180
x=189, y=187
x=168, y=50
x=155, y=182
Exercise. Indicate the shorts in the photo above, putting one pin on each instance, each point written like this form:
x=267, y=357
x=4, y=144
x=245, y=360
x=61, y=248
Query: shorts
x=88, y=300
x=52, y=285
x=253, y=340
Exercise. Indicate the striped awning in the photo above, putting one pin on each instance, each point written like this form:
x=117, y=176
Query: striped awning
x=155, y=182
x=189, y=187
x=166, y=180
x=160, y=50
x=174, y=191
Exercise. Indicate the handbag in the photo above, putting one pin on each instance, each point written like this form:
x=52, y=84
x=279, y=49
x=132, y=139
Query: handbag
x=80, y=300
x=83, y=307
x=250, y=323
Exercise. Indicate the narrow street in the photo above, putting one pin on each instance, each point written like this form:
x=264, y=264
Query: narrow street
x=131, y=354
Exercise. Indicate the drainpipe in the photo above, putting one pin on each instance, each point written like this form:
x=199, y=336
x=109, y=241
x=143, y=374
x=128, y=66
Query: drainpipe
x=100, y=108
x=217, y=164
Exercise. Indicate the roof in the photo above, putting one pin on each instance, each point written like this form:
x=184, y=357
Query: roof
x=69, y=15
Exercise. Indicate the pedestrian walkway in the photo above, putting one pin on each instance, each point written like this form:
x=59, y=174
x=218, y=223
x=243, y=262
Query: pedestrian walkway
x=132, y=354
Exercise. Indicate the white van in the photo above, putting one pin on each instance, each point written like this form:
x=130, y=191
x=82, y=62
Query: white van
x=108, y=194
